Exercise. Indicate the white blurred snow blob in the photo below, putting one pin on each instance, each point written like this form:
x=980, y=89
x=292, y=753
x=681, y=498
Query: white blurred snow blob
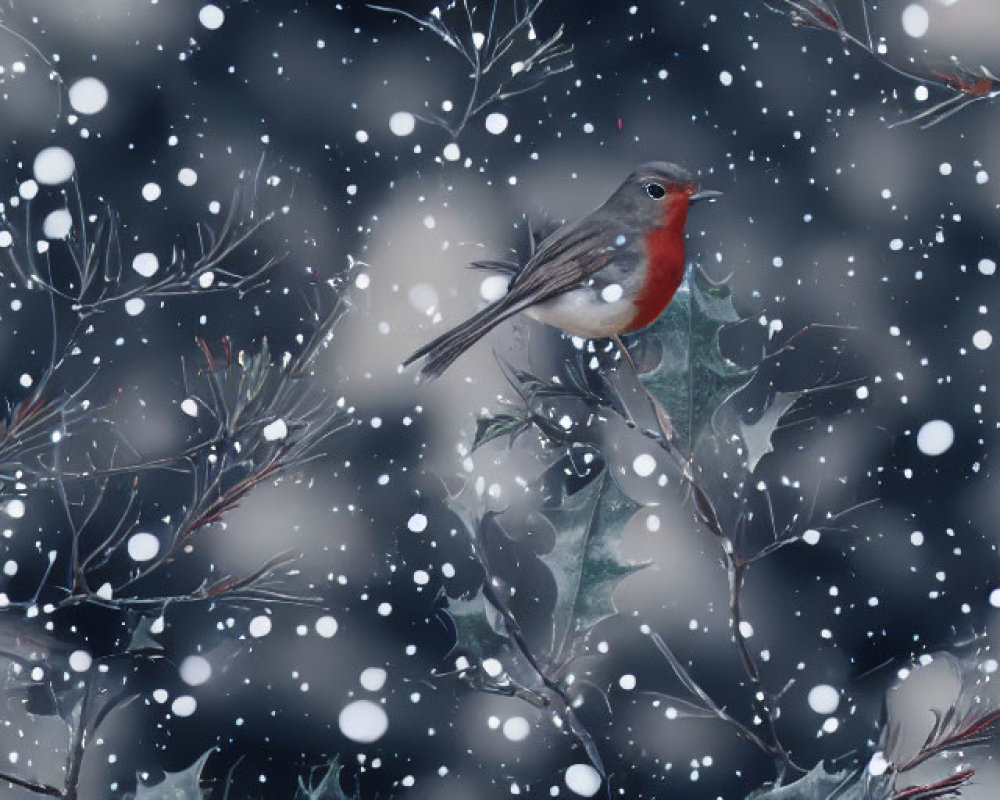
x=363, y=721
x=53, y=165
x=934, y=437
x=88, y=96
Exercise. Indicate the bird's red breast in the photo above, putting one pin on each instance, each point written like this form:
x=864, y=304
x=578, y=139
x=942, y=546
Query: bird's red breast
x=665, y=261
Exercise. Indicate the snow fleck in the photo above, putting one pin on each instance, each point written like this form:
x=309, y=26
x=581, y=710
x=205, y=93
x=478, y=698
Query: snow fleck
x=935, y=437
x=995, y=598
x=423, y=297
x=823, y=699
x=259, y=626
x=627, y=682
x=811, y=536
x=493, y=288
x=211, y=16
x=982, y=176
x=6, y=240
x=187, y=176
x=861, y=393
x=80, y=661
x=643, y=465
x=28, y=189
x=421, y=577
x=189, y=406
x=134, y=306
x=57, y=224
x=417, y=523
x=921, y=93
x=143, y=546
x=53, y=165
x=363, y=721
x=195, y=670
x=492, y=667
x=373, y=678
x=746, y=629
x=402, y=123
x=384, y=609
x=361, y=136
x=726, y=78
x=896, y=244
x=26, y=380
x=944, y=168
x=878, y=765
x=88, y=95
x=146, y=264
x=612, y=293
x=183, y=706
x=451, y=152
x=275, y=431
x=583, y=779
x=915, y=20
x=981, y=340
x=916, y=538
x=516, y=728
x=987, y=266
x=326, y=626
x=496, y=123
x=150, y=192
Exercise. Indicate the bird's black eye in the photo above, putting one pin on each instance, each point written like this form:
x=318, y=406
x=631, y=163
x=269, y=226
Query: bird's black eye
x=654, y=190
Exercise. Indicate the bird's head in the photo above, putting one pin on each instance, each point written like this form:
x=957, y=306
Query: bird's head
x=652, y=189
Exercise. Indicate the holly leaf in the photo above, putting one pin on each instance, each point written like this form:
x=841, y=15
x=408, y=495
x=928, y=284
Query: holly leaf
x=691, y=377
x=818, y=783
x=757, y=435
x=585, y=562
x=183, y=785
x=493, y=426
x=478, y=626
x=328, y=787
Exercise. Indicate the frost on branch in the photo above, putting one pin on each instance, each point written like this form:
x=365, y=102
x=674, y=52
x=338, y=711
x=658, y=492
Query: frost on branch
x=498, y=42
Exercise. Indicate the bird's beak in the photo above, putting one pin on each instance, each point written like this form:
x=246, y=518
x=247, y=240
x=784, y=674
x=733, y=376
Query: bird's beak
x=704, y=194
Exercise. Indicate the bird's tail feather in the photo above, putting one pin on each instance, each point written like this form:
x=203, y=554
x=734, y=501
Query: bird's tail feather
x=442, y=351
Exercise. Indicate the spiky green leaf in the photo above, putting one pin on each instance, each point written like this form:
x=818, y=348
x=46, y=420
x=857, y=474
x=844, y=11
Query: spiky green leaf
x=328, y=787
x=183, y=785
x=478, y=626
x=693, y=378
x=505, y=423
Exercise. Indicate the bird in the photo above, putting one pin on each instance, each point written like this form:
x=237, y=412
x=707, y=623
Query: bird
x=610, y=272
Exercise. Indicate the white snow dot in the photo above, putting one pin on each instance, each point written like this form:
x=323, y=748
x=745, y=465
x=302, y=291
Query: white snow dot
x=583, y=779
x=363, y=721
x=916, y=538
x=451, y=152
x=362, y=281
x=26, y=380
x=259, y=626
x=80, y=661
x=10, y=568
x=982, y=176
x=995, y=598
x=746, y=629
x=421, y=577
x=150, y=191
x=896, y=244
x=134, y=306
x=88, y=95
x=143, y=546
x=361, y=136
x=326, y=626
x=935, y=437
x=921, y=93
x=612, y=293
x=423, y=297
x=146, y=264
x=402, y=123
x=211, y=16
x=492, y=667
x=184, y=706
x=944, y=168
x=823, y=699
x=496, y=123
x=187, y=176
x=384, y=609
x=987, y=266
x=915, y=20
x=878, y=765
x=195, y=670
x=861, y=393
x=627, y=682
x=53, y=165
x=981, y=340
x=6, y=240
x=57, y=224
x=28, y=189
x=493, y=287
x=516, y=728
x=276, y=430
x=643, y=465
x=417, y=523
x=726, y=77
x=811, y=536
x=373, y=678
x=14, y=508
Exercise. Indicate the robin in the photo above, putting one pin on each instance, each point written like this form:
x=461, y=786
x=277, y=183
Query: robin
x=610, y=272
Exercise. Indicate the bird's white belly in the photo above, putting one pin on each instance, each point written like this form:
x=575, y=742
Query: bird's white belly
x=583, y=312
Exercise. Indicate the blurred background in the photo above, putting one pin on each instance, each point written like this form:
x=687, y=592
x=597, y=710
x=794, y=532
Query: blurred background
x=379, y=168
